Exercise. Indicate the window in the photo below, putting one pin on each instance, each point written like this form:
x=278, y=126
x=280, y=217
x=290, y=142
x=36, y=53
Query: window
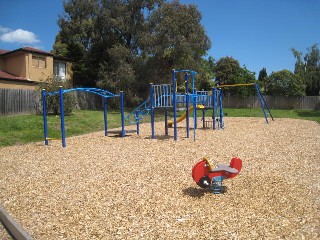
x=39, y=62
x=59, y=71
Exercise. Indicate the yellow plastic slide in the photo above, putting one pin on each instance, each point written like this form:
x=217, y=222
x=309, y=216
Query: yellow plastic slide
x=183, y=116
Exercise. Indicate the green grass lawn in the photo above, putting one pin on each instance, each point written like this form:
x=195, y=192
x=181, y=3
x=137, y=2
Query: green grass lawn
x=29, y=128
x=312, y=115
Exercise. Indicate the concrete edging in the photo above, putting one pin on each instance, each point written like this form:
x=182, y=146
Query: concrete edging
x=16, y=231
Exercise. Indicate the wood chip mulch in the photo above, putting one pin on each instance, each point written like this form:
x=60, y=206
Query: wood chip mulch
x=141, y=188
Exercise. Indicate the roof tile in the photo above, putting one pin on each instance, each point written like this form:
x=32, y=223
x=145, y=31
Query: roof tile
x=5, y=75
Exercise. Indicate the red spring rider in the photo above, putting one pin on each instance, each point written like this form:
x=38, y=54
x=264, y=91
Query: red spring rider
x=208, y=177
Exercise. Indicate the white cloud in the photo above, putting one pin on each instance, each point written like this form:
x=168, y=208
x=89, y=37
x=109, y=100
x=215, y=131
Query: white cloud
x=17, y=36
x=4, y=29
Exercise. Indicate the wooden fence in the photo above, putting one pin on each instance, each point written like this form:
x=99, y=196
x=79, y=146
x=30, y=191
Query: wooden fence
x=16, y=101
x=274, y=102
x=20, y=101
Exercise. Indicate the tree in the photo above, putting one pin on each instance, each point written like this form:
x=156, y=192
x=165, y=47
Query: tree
x=206, y=74
x=244, y=76
x=263, y=79
x=285, y=83
x=125, y=45
x=177, y=39
x=104, y=38
x=308, y=68
x=227, y=69
x=75, y=38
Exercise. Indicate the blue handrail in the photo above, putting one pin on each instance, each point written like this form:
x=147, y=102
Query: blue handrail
x=142, y=109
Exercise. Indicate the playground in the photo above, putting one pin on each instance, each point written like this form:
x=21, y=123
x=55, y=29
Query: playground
x=137, y=187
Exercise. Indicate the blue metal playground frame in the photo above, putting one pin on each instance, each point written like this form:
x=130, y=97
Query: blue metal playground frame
x=166, y=96
x=103, y=93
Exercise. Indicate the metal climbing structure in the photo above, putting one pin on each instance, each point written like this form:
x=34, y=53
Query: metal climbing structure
x=103, y=93
x=166, y=96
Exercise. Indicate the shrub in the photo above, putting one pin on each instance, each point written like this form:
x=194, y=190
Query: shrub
x=53, y=103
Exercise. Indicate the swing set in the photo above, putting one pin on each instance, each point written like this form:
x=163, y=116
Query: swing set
x=262, y=101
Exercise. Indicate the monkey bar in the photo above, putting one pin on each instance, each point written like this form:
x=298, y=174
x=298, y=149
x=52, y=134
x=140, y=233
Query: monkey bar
x=103, y=93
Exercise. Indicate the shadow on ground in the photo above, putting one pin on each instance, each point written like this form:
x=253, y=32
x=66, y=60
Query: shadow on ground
x=194, y=192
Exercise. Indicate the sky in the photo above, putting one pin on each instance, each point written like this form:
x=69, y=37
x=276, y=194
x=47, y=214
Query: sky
x=257, y=33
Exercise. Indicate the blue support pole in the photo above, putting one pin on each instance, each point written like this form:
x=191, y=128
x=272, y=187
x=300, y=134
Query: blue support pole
x=138, y=122
x=187, y=106
x=261, y=103
x=193, y=87
x=63, y=132
x=166, y=130
x=44, y=111
x=194, y=116
x=214, y=107
x=221, y=109
x=203, y=118
x=123, y=132
x=152, y=110
x=174, y=99
x=263, y=100
x=105, y=116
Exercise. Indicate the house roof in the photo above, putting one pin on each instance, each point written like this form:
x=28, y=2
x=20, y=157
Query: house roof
x=2, y=51
x=26, y=49
x=8, y=76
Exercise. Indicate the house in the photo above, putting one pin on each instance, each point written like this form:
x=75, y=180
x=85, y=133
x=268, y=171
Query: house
x=23, y=68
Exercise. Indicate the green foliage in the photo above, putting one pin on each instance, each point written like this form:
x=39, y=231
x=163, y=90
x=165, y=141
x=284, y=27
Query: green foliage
x=177, y=39
x=53, y=103
x=205, y=79
x=263, y=79
x=244, y=76
x=285, y=83
x=228, y=72
x=227, y=69
x=308, y=68
x=125, y=45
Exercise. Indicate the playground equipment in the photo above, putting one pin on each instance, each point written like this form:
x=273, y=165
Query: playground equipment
x=206, y=176
x=103, y=93
x=165, y=96
x=263, y=103
x=183, y=116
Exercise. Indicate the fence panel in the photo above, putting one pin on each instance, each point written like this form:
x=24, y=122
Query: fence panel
x=86, y=100
x=274, y=102
x=16, y=101
x=22, y=101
